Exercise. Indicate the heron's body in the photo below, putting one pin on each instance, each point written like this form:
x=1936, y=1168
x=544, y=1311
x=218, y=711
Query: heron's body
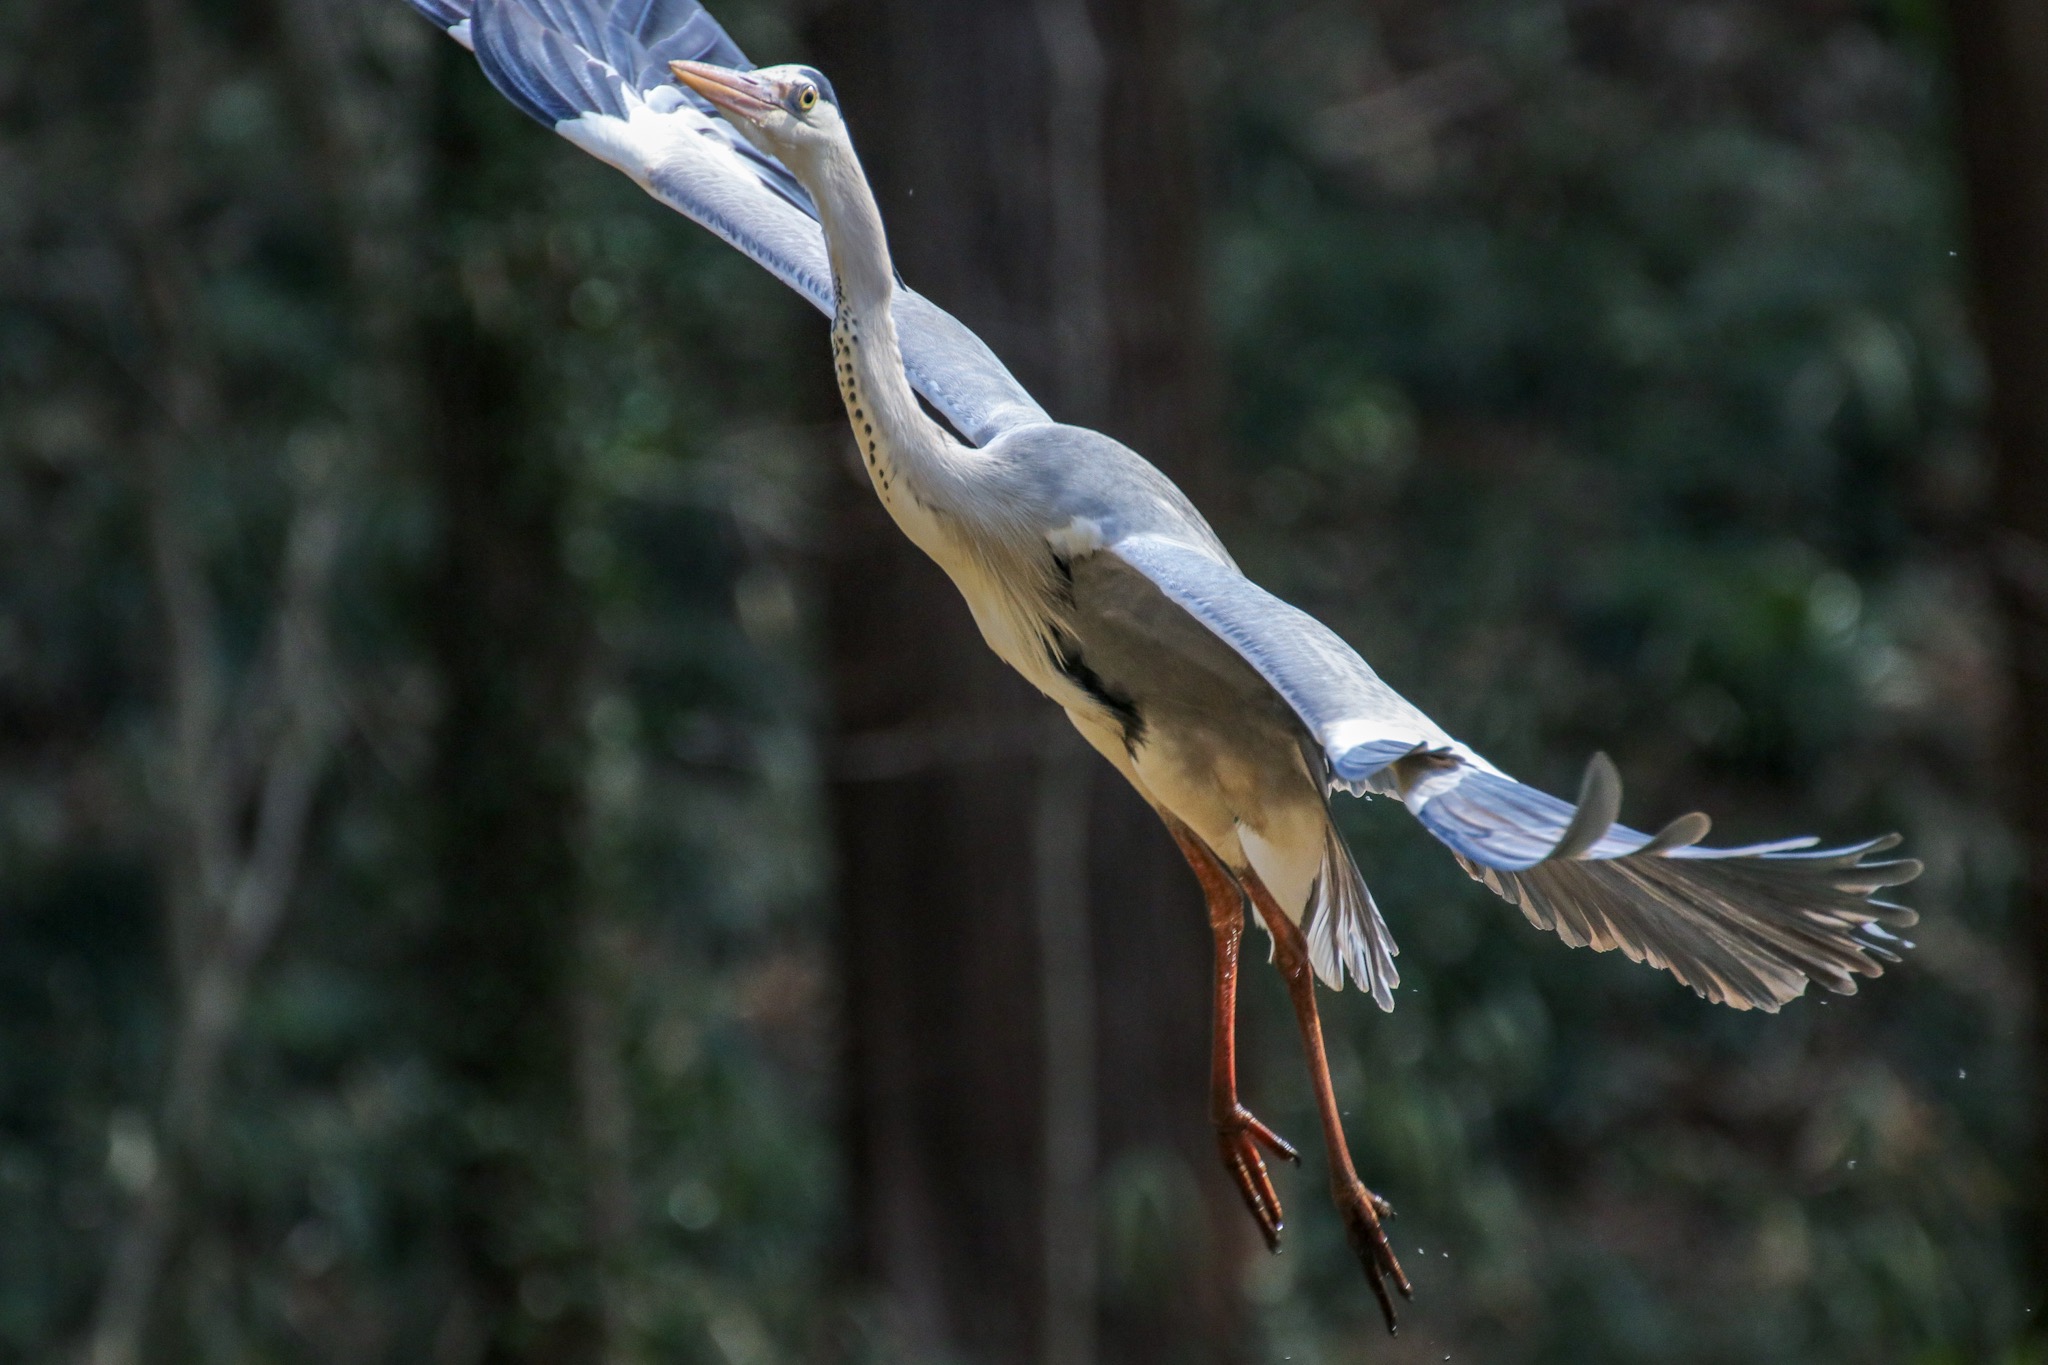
x=1204, y=739
x=1019, y=525
x=1234, y=714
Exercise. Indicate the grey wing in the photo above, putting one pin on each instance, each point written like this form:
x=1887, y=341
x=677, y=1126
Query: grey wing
x=597, y=73
x=1747, y=927
x=1362, y=724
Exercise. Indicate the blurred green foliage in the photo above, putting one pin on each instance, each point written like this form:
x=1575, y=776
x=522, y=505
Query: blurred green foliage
x=1601, y=371
x=684, y=492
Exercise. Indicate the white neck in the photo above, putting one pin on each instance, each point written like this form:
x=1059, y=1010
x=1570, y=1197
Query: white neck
x=853, y=231
x=938, y=490
x=913, y=461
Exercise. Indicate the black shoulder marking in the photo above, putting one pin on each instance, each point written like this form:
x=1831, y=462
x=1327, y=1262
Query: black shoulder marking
x=1063, y=590
x=1065, y=654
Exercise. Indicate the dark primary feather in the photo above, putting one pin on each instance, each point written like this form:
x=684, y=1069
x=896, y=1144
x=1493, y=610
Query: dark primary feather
x=563, y=60
x=557, y=59
x=445, y=13
x=542, y=71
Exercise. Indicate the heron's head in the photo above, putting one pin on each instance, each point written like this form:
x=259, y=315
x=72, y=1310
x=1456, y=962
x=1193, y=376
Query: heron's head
x=788, y=112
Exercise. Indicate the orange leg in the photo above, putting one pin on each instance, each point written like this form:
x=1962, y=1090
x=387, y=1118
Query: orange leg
x=1238, y=1133
x=1360, y=1207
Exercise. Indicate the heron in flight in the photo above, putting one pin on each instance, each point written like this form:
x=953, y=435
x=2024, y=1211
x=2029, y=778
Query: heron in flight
x=1235, y=715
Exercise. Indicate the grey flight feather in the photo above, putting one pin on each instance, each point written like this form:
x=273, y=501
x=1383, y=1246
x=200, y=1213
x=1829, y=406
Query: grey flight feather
x=1747, y=927
x=598, y=74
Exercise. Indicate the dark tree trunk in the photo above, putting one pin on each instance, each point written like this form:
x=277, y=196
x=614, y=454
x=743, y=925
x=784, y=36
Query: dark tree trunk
x=506, y=636
x=1026, y=956
x=2001, y=69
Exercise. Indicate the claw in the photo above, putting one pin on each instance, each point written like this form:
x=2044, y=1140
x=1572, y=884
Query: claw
x=1238, y=1136
x=1256, y=1190
x=1362, y=1211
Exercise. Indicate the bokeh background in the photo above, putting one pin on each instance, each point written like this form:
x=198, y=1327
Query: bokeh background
x=505, y=856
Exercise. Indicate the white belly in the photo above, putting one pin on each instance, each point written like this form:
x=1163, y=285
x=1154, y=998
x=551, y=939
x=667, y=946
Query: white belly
x=1281, y=841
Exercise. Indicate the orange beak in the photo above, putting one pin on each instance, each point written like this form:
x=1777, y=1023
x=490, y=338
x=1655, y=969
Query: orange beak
x=740, y=93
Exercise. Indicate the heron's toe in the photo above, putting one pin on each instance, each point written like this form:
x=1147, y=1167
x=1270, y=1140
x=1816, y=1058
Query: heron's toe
x=1362, y=1211
x=1238, y=1137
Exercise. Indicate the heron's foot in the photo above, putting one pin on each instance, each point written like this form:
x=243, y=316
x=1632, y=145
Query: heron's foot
x=1362, y=1211
x=1238, y=1137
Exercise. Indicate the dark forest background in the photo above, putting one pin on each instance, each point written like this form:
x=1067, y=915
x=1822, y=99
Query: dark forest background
x=506, y=857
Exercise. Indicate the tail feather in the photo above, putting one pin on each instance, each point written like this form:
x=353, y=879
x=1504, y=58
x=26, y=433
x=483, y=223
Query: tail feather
x=1345, y=930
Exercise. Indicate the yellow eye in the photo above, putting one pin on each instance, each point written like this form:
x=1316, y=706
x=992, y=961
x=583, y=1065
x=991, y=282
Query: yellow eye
x=807, y=98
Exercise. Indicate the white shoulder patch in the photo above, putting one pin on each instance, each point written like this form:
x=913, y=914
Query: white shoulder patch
x=1081, y=536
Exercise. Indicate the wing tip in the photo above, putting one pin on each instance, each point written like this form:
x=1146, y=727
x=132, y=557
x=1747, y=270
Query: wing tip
x=1746, y=927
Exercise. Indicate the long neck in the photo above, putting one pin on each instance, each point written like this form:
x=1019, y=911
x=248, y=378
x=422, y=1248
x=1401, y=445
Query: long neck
x=854, y=236
x=905, y=451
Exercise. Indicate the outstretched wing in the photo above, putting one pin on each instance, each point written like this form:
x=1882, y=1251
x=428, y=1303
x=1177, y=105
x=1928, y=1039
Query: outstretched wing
x=1747, y=927
x=596, y=71
x=1362, y=724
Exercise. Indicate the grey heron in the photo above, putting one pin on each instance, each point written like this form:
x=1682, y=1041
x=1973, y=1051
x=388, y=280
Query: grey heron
x=1235, y=715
